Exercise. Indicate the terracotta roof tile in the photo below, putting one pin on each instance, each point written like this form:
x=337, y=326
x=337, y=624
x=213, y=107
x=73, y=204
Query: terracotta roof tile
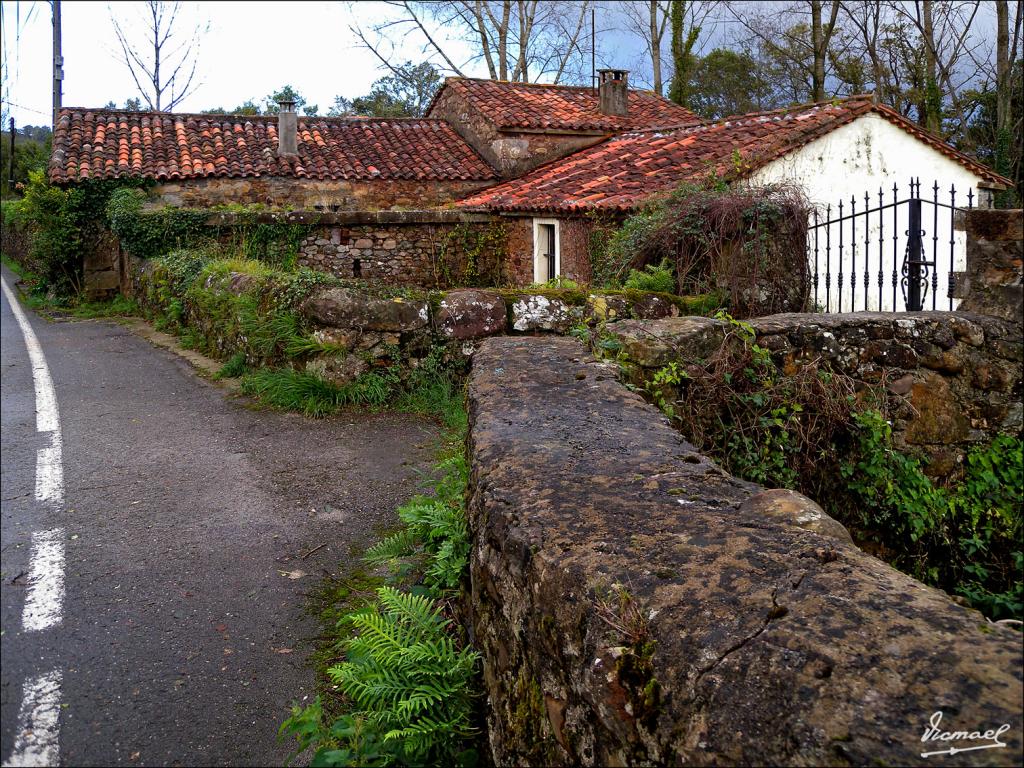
x=643, y=163
x=91, y=143
x=561, y=107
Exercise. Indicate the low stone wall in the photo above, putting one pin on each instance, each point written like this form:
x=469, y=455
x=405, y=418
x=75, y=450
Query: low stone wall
x=634, y=604
x=361, y=321
x=993, y=283
x=367, y=323
x=950, y=379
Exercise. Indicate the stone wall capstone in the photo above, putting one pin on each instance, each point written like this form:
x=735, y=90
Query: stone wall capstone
x=636, y=605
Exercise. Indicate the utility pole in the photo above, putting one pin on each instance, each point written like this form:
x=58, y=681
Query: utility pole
x=10, y=163
x=58, y=63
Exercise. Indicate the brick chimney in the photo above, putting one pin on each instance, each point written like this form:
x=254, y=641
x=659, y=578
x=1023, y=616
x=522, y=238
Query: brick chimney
x=287, y=126
x=613, y=86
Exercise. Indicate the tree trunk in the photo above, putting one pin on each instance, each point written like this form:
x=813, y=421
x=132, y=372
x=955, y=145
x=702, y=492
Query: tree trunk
x=818, y=73
x=156, y=54
x=655, y=47
x=821, y=35
x=933, y=99
x=506, y=12
x=1003, y=94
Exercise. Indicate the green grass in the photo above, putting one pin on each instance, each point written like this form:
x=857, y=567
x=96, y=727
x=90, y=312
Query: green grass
x=233, y=368
x=119, y=306
x=312, y=396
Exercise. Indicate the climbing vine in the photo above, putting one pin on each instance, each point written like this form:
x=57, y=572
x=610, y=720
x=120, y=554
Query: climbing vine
x=805, y=429
x=249, y=231
x=473, y=255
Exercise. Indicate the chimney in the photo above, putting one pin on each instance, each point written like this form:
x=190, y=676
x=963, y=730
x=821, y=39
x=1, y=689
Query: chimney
x=287, y=126
x=613, y=86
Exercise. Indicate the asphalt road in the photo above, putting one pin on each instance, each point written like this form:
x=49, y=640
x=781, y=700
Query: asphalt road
x=183, y=636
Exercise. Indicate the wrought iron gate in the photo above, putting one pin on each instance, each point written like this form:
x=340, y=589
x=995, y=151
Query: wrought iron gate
x=867, y=260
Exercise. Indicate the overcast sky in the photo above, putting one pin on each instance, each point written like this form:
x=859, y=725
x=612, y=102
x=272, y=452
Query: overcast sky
x=251, y=50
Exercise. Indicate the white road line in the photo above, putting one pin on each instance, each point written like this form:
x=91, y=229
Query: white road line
x=37, y=738
x=47, y=416
x=45, y=581
x=35, y=742
x=49, y=473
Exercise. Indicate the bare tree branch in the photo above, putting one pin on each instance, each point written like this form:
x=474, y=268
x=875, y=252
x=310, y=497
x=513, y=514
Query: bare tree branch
x=149, y=71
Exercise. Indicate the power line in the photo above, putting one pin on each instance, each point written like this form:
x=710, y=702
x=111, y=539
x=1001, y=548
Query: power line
x=29, y=109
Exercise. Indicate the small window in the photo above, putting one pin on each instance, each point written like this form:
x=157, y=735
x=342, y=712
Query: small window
x=546, y=251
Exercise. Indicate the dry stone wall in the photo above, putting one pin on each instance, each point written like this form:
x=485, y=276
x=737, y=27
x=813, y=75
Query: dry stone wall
x=636, y=605
x=949, y=379
x=314, y=194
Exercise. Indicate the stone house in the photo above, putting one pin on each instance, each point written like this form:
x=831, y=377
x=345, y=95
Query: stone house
x=833, y=150
x=539, y=162
x=381, y=185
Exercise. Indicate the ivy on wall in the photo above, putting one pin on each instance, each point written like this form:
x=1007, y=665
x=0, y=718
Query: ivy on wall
x=473, y=255
x=65, y=225
x=148, y=234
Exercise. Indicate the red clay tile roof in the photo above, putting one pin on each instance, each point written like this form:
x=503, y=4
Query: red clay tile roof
x=623, y=171
x=97, y=143
x=537, y=106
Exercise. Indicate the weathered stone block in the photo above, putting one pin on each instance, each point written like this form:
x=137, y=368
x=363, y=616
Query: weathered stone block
x=940, y=418
x=993, y=224
x=791, y=508
x=631, y=611
x=470, y=314
x=654, y=343
x=338, y=369
x=540, y=313
x=343, y=308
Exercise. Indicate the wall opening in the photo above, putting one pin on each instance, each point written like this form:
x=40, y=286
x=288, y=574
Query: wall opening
x=547, y=255
x=357, y=268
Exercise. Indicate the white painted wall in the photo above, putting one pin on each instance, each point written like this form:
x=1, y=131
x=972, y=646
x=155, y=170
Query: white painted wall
x=862, y=156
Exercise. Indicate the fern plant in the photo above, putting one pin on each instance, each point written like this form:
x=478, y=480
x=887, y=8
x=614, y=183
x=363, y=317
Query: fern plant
x=406, y=677
x=436, y=528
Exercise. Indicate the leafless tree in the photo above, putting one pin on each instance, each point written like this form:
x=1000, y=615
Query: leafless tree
x=649, y=20
x=518, y=40
x=163, y=61
x=800, y=33
x=944, y=28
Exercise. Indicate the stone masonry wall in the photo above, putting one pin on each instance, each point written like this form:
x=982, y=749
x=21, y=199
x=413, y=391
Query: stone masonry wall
x=636, y=605
x=405, y=254
x=313, y=194
x=374, y=322
x=993, y=283
x=950, y=380
x=512, y=153
x=574, y=244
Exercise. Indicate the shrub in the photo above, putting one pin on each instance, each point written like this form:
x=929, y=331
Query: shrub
x=57, y=237
x=749, y=242
x=658, y=278
x=65, y=224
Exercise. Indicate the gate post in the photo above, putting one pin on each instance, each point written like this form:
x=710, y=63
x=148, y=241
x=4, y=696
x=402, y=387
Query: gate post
x=914, y=259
